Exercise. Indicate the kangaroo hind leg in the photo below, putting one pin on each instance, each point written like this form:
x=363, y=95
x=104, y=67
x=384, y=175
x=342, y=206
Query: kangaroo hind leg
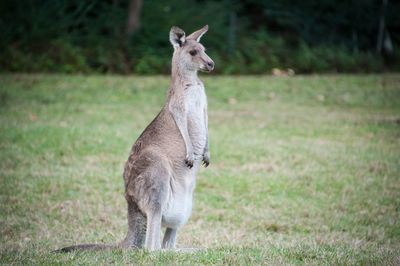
x=153, y=235
x=136, y=226
x=169, y=238
x=149, y=188
x=157, y=198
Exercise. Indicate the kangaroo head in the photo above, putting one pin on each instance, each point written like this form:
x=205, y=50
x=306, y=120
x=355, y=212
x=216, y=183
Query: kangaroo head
x=189, y=53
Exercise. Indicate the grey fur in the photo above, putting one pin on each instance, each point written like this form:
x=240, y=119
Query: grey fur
x=160, y=172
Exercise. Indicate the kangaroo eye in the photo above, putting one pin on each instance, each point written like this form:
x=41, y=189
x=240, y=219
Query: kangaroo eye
x=193, y=52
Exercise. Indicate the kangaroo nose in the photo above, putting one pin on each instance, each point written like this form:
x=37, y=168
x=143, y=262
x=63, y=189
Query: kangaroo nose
x=210, y=65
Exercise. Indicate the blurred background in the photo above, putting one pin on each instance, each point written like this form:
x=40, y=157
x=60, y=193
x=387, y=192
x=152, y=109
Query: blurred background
x=245, y=37
x=304, y=169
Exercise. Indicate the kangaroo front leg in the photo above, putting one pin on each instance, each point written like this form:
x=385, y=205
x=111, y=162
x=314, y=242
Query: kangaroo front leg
x=153, y=237
x=136, y=227
x=206, y=156
x=180, y=117
x=169, y=238
x=206, y=153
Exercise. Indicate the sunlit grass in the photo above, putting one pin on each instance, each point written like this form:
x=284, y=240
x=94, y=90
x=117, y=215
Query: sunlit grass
x=303, y=169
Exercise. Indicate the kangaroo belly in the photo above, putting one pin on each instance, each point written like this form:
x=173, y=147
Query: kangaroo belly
x=178, y=209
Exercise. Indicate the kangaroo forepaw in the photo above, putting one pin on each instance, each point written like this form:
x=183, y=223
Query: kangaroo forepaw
x=206, y=159
x=189, y=161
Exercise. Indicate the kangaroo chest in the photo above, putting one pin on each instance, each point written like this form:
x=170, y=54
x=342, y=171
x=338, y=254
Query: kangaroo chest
x=196, y=101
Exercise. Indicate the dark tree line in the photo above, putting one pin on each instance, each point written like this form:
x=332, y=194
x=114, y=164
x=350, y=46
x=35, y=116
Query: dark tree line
x=248, y=36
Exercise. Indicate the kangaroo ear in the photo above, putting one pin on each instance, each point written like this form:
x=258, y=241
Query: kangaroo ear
x=198, y=34
x=177, y=37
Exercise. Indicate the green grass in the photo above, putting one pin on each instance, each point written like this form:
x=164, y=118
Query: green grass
x=304, y=170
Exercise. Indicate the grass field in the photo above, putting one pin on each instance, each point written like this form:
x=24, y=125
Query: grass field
x=303, y=169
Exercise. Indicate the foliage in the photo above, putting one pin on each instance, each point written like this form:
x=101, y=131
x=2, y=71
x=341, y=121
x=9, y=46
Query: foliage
x=246, y=37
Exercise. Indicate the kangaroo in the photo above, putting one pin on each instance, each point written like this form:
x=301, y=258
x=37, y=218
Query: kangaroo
x=160, y=173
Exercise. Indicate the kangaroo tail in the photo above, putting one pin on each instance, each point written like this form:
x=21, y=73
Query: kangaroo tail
x=83, y=247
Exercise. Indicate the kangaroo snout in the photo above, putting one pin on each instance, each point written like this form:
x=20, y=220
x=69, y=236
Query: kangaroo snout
x=210, y=66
